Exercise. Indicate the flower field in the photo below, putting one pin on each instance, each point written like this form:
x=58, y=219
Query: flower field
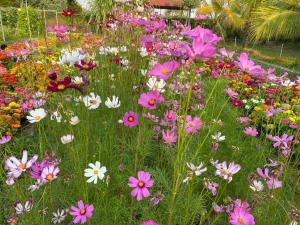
x=148, y=122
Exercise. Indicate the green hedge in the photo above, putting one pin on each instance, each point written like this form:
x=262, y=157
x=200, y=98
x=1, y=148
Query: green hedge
x=35, y=20
x=9, y=16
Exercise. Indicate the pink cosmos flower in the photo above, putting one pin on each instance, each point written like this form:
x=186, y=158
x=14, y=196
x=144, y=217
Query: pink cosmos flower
x=284, y=140
x=82, y=213
x=5, y=139
x=165, y=70
x=206, y=35
x=170, y=117
x=211, y=186
x=246, y=65
x=193, y=124
x=227, y=54
x=140, y=185
x=169, y=136
x=201, y=50
x=241, y=216
x=230, y=92
x=250, y=131
x=16, y=167
x=130, y=119
x=227, y=172
x=150, y=99
x=149, y=222
x=244, y=119
x=49, y=173
x=271, y=180
x=20, y=209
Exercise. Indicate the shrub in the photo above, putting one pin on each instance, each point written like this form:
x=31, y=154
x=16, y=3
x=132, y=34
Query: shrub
x=9, y=16
x=35, y=20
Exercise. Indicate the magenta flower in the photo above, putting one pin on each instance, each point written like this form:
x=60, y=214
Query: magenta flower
x=201, y=49
x=230, y=92
x=284, y=140
x=130, y=119
x=244, y=119
x=169, y=137
x=82, y=213
x=149, y=222
x=140, y=185
x=250, y=131
x=241, y=216
x=193, y=124
x=246, y=65
x=150, y=99
x=164, y=71
x=170, y=117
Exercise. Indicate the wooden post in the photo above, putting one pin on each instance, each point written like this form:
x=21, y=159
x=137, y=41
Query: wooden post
x=56, y=17
x=45, y=23
x=28, y=20
x=2, y=28
x=281, y=50
x=235, y=41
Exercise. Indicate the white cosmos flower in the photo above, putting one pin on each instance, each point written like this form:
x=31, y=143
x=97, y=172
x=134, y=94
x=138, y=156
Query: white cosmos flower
x=197, y=170
x=20, y=209
x=56, y=116
x=36, y=115
x=257, y=186
x=94, y=172
x=77, y=80
x=156, y=85
x=114, y=103
x=74, y=120
x=92, y=101
x=67, y=139
x=294, y=222
x=58, y=216
x=218, y=137
x=143, y=52
x=70, y=56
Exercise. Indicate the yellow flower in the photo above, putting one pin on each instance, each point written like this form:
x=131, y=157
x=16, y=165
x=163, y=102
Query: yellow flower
x=292, y=118
x=257, y=108
x=270, y=126
x=288, y=112
x=13, y=105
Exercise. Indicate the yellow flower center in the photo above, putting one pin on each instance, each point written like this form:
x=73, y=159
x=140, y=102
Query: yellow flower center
x=82, y=211
x=152, y=102
x=22, y=166
x=93, y=101
x=96, y=172
x=85, y=66
x=169, y=116
x=141, y=184
x=49, y=176
x=165, y=71
x=61, y=87
x=130, y=119
x=37, y=118
x=240, y=220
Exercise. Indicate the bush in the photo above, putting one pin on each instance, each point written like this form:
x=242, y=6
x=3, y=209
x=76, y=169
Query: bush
x=9, y=16
x=35, y=20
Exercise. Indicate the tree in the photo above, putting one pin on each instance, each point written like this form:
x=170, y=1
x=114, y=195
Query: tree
x=274, y=21
x=225, y=14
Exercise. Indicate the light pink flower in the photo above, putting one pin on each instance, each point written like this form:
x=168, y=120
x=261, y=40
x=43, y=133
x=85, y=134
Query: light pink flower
x=165, y=70
x=193, y=124
x=250, y=131
x=49, y=173
x=241, y=216
x=149, y=222
x=169, y=136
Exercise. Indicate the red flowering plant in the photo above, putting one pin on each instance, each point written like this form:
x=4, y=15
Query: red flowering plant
x=86, y=66
x=68, y=12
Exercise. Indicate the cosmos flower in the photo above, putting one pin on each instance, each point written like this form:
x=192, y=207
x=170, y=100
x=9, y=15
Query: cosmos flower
x=226, y=172
x=250, y=131
x=169, y=137
x=130, y=119
x=193, y=124
x=74, y=120
x=16, y=167
x=170, y=117
x=5, y=139
x=256, y=186
x=194, y=170
x=241, y=216
x=71, y=57
x=113, y=103
x=218, y=137
x=36, y=115
x=271, y=180
x=68, y=12
x=156, y=85
x=67, y=139
x=58, y=216
x=150, y=99
x=140, y=185
x=149, y=222
x=95, y=172
x=20, y=209
x=165, y=70
x=49, y=173
x=246, y=65
x=92, y=101
x=81, y=213
x=83, y=65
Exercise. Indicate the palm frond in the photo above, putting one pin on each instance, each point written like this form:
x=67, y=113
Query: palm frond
x=274, y=22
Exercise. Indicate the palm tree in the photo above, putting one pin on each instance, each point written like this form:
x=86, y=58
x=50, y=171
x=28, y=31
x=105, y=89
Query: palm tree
x=225, y=14
x=274, y=21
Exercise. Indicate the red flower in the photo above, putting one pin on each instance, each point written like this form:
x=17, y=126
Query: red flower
x=87, y=66
x=68, y=12
x=58, y=86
